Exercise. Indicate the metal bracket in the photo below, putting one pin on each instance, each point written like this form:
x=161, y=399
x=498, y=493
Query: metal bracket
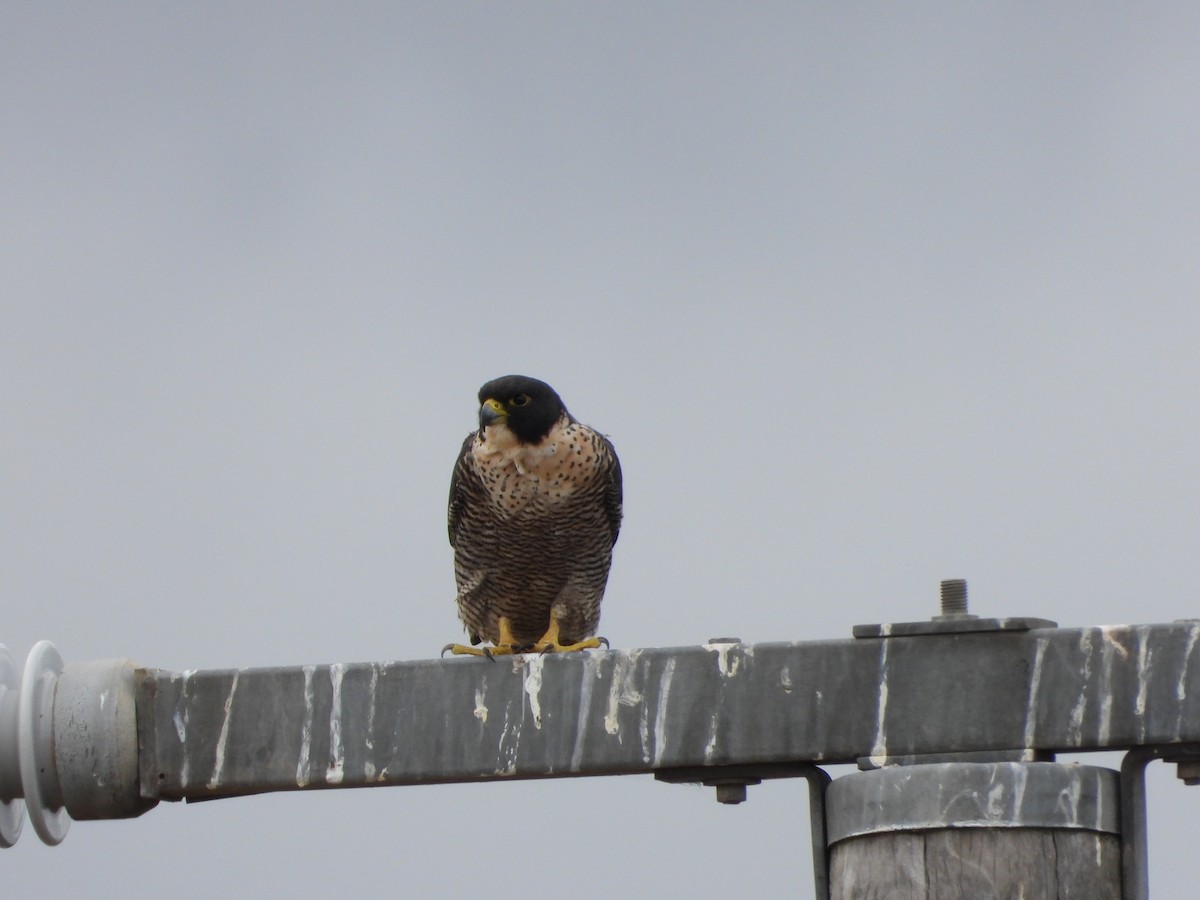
x=965, y=624
x=1135, y=857
x=954, y=619
x=731, y=783
x=867, y=763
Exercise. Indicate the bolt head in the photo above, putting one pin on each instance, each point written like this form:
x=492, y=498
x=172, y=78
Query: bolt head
x=1188, y=772
x=731, y=793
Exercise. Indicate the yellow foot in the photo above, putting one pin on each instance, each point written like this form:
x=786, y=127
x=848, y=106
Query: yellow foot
x=591, y=643
x=549, y=641
x=464, y=650
x=505, y=646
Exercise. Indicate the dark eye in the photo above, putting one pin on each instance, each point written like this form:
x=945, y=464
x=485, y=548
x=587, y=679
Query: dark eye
x=520, y=400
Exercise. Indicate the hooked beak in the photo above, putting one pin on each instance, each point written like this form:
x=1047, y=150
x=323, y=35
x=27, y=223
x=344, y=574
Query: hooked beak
x=491, y=413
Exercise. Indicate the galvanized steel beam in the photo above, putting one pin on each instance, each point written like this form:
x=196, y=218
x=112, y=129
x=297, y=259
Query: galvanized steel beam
x=223, y=733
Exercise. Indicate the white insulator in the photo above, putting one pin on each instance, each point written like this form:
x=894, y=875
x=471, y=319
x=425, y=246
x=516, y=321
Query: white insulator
x=35, y=744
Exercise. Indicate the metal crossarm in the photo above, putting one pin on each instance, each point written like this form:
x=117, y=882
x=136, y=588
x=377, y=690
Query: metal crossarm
x=222, y=733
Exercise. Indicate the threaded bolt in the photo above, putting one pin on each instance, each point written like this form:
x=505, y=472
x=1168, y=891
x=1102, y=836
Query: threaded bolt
x=954, y=597
x=731, y=793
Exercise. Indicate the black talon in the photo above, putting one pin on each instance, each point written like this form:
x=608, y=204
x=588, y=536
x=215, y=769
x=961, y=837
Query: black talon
x=442, y=655
x=604, y=641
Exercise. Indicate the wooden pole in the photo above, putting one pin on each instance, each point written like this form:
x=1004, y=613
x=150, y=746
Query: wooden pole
x=975, y=830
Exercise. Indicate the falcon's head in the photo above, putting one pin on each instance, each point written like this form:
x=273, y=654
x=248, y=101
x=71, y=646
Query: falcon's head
x=527, y=406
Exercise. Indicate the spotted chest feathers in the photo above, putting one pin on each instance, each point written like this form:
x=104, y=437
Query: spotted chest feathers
x=516, y=475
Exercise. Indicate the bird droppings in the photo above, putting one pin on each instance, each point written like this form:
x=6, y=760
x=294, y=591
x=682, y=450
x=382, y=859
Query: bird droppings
x=180, y=720
x=660, y=715
x=1144, y=659
x=1086, y=644
x=369, y=736
x=622, y=691
x=1109, y=633
x=714, y=730
x=335, y=771
x=481, y=710
x=722, y=650
x=510, y=736
x=1035, y=682
x=1108, y=648
x=223, y=740
x=879, y=752
x=533, y=687
x=306, y=729
x=585, y=709
x=1181, y=685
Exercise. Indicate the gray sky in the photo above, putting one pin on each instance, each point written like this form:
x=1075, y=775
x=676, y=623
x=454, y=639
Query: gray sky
x=867, y=296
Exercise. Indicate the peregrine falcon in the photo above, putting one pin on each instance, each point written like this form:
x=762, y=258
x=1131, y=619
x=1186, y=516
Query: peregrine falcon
x=535, y=507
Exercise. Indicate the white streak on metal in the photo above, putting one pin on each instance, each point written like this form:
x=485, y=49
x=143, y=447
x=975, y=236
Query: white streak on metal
x=644, y=731
x=1181, y=686
x=306, y=728
x=879, y=750
x=1108, y=647
x=1068, y=801
x=994, y=807
x=369, y=737
x=660, y=714
x=336, y=769
x=1020, y=776
x=509, y=738
x=592, y=664
x=219, y=761
x=1144, y=659
x=1035, y=681
x=481, y=710
x=722, y=648
x=1107, y=632
x=785, y=679
x=181, y=722
x=622, y=691
x=533, y=687
x=1076, y=719
x=711, y=747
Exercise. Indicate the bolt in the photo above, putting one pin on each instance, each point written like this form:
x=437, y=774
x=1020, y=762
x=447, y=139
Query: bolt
x=1188, y=772
x=731, y=792
x=954, y=597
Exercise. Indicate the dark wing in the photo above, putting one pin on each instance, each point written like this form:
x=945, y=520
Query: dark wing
x=613, y=497
x=458, y=492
